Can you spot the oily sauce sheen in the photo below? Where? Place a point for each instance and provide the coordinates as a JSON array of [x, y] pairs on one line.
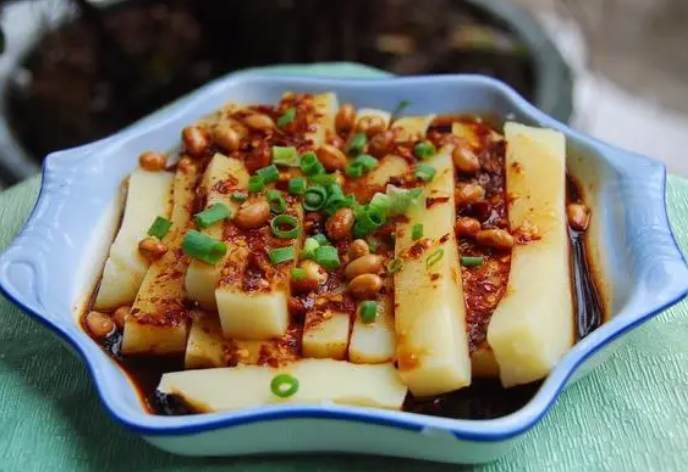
[[483, 285]]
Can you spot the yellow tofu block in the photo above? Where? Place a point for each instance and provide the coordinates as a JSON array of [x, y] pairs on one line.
[[326, 337], [158, 322], [253, 315], [319, 380], [412, 128], [532, 326], [207, 347], [223, 176], [467, 132], [322, 124], [430, 317], [374, 343], [148, 196], [389, 166]]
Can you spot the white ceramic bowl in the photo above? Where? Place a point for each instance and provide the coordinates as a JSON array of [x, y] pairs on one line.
[[50, 268]]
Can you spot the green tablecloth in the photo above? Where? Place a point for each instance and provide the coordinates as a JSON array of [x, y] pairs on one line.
[[631, 414]]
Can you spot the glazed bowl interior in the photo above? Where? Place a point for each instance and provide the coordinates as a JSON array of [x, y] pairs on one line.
[[51, 268]]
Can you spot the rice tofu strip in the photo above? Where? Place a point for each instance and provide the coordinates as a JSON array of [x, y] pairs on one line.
[[374, 343], [532, 326], [322, 125], [148, 196], [411, 128], [430, 317], [158, 321], [223, 177], [253, 291], [207, 347], [319, 380]]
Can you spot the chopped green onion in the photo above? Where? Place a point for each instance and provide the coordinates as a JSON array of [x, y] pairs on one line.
[[368, 220], [298, 273], [269, 174], [368, 162], [424, 149], [309, 247], [328, 257], [283, 254], [373, 244], [284, 385], [256, 184], [291, 222], [401, 106], [297, 186], [417, 231], [382, 203], [203, 247], [160, 227], [394, 266], [434, 257], [277, 202], [212, 214], [321, 239], [239, 197], [356, 145], [354, 170], [335, 202], [286, 118], [285, 156], [425, 173], [402, 199], [368, 311], [314, 198], [472, 261], [322, 179], [310, 165]]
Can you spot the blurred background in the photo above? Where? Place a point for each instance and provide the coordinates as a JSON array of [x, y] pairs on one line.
[[73, 71]]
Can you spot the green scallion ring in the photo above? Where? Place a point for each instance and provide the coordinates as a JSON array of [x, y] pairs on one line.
[[277, 202], [283, 254], [298, 273], [381, 203], [269, 174], [354, 170], [472, 261], [368, 311], [256, 184], [284, 385], [202, 247], [310, 165], [328, 257], [356, 145], [321, 239], [368, 220], [239, 197], [160, 227], [394, 266], [286, 118], [291, 222], [424, 172], [314, 198], [368, 162], [417, 231], [297, 186], [434, 257], [309, 247], [285, 156], [322, 179], [424, 150], [213, 214]]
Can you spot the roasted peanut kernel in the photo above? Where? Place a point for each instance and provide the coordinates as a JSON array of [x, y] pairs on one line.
[[578, 215], [381, 143], [120, 316], [465, 160], [469, 193], [338, 226], [358, 248], [365, 286], [226, 137], [346, 117], [152, 161], [496, 238], [259, 121], [466, 226], [331, 157], [99, 324], [370, 125], [368, 264], [152, 249], [252, 214], [196, 140], [315, 276]]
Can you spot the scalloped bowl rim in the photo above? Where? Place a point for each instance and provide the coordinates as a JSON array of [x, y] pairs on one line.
[[473, 430]]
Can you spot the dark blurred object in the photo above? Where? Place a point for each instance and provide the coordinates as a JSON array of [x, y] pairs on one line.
[[96, 74]]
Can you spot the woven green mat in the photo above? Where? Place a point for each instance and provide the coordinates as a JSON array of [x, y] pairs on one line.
[[631, 414]]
